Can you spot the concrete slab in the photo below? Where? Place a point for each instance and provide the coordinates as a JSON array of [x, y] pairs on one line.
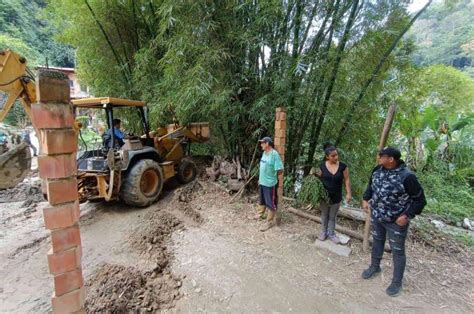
[[334, 248]]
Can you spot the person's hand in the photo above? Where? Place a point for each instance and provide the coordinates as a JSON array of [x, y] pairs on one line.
[[315, 172], [402, 220], [365, 206], [348, 198]]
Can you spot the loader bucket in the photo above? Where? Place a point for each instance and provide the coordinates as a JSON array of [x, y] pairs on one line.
[[15, 164], [200, 132]]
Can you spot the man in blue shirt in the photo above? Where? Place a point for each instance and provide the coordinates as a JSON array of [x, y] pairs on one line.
[[117, 132], [270, 166]]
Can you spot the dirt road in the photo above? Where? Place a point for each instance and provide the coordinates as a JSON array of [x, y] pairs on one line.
[[216, 260]]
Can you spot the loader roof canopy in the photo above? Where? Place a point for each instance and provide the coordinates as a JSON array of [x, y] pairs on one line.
[[99, 102]]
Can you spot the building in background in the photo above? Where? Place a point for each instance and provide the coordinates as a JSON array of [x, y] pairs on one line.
[[77, 90]]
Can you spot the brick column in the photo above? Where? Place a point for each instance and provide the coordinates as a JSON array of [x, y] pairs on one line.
[[280, 142], [53, 117]]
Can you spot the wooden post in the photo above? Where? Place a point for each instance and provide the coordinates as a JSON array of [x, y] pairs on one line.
[[280, 142], [383, 140]]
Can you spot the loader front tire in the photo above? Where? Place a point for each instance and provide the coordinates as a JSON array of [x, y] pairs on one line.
[[186, 171], [142, 184]]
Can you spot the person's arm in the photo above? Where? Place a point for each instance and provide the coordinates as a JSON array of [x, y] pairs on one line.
[[368, 192], [415, 190], [119, 133], [347, 182], [278, 165]]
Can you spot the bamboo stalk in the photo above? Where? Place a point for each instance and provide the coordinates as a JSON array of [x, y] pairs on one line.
[[383, 139]]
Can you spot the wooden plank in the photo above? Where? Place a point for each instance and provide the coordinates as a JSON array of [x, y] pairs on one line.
[[383, 141]]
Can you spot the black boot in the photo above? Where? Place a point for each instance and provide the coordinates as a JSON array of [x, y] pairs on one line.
[[394, 289], [370, 272]]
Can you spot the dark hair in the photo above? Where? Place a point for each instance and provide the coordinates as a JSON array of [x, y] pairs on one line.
[[328, 149], [116, 122]]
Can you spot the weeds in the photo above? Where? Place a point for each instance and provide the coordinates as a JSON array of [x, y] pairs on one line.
[[312, 192], [449, 197]]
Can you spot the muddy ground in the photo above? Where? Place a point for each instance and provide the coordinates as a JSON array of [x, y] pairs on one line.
[[194, 251]]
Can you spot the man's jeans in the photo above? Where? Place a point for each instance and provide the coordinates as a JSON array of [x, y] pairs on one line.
[[396, 237]]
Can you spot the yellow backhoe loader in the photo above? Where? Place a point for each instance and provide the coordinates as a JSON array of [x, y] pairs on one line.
[[133, 170]]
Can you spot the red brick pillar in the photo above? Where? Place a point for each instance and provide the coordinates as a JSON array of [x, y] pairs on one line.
[[280, 142], [53, 117]]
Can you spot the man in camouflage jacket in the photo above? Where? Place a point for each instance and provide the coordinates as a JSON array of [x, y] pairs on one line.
[[395, 196]]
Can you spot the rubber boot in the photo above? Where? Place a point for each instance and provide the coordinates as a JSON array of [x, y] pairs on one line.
[[260, 212], [270, 221]]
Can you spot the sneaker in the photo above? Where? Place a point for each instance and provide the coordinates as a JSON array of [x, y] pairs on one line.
[[370, 272], [394, 289], [322, 236], [334, 238]]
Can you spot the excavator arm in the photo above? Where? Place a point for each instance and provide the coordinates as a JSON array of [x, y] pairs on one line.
[[17, 83]]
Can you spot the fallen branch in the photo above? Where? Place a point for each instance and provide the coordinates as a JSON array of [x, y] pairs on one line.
[[242, 189], [339, 228], [348, 212], [352, 213]]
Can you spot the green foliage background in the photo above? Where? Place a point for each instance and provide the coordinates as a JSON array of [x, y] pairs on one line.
[[233, 62], [335, 65]]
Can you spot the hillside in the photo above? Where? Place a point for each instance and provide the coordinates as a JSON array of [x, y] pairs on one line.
[[444, 34], [24, 28]]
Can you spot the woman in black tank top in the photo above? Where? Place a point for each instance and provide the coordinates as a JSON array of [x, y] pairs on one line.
[[333, 174]]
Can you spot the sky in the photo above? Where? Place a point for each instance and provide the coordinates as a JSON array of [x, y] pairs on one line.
[[417, 5]]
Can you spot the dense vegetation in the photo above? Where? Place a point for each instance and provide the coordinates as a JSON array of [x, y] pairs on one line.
[[335, 65], [23, 28]]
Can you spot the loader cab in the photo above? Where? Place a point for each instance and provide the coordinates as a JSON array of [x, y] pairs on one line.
[[113, 154]]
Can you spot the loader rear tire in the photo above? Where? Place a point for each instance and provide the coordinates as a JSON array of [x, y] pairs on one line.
[[186, 171], [142, 184]]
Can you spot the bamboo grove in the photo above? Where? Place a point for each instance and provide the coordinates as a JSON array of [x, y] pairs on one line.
[[233, 62]]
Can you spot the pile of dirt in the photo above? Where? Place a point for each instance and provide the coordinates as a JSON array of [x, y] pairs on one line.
[[202, 162], [28, 192], [184, 197], [151, 239], [188, 192], [119, 289]]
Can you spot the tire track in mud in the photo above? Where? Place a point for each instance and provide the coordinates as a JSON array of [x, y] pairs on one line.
[[116, 288]]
